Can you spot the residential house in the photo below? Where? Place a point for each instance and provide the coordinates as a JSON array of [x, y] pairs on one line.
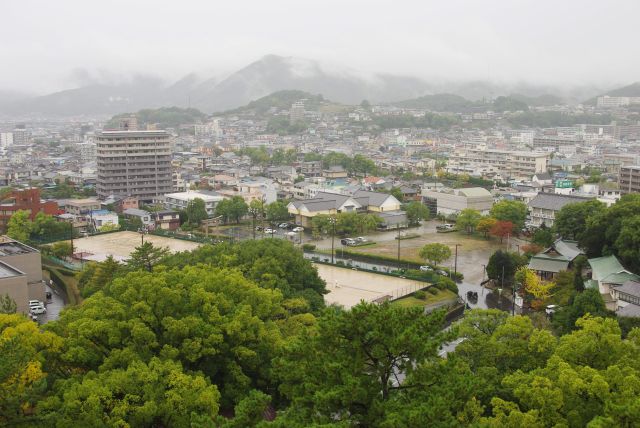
[[142, 215], [167, 219], [335, 171], [558, 257], [607, 273], [627, 297]]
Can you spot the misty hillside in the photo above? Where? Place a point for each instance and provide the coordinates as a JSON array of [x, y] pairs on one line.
[[274, 73], [280, 100], [632, 90]]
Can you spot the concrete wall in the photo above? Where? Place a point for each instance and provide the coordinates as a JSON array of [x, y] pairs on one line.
[[16, 287], [29, 263]]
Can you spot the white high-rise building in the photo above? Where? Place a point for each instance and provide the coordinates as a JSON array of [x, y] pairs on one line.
[[134, 163]]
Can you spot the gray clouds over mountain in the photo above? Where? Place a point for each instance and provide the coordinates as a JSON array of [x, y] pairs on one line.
[[44, 44]]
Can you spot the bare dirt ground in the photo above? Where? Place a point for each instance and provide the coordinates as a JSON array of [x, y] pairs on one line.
[[121, 244], [348, 287]]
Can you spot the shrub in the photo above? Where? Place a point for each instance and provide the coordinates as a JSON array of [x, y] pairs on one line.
[[439, 286], [433, 290], [448, 284], [308, 247], [420, 294]]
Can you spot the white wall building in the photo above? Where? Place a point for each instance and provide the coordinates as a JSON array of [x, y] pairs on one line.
[[180, 200]]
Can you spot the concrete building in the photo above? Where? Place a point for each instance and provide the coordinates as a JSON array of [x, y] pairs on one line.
[[629, 179], [296, 113], [27, 200], [180, 200], [557, 143], [452, 201], [20, 273], [134, 163], [507, 163], [544, 207], [81, 206]]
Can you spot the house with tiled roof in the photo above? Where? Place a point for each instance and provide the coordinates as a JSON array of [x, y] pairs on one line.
[[558, 257], [608, 273], [544, 207]]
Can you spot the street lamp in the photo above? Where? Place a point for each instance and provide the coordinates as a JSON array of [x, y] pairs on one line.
[[332, 220]]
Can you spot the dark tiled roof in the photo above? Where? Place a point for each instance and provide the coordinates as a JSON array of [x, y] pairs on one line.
[[552, 201]]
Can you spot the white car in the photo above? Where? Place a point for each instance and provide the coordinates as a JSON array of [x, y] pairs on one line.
[[35, 303], [268, 230], [426, 268], [298, 229], [37, 310]]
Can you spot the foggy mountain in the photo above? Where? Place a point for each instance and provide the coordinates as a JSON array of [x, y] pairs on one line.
[[265, 76]]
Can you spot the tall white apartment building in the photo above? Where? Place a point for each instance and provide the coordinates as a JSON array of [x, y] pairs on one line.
[[134, 163]]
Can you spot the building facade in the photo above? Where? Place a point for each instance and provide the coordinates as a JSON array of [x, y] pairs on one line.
[[134, 163], [629, 179]]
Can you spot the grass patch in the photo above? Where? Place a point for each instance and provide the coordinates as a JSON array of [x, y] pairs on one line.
[[413, 302]]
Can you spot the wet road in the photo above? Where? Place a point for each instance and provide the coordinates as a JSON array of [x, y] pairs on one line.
[[53, 305], [487, 299]]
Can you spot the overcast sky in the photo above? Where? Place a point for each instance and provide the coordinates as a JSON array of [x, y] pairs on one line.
[[50, 45]]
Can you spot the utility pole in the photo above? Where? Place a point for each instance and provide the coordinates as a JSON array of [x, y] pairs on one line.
[[513, 304], [455, 269], [333, 235], [398, 246]]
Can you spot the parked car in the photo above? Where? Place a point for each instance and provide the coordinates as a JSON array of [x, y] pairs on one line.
[[445, 227], [283, 225], [258, 228], [37, 310], [442, 272], [348, 241], [426, 268], [269, 230], [361, 239], [298, 229], [36, 303]]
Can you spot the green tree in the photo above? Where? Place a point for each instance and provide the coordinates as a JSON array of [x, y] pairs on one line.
[[196, 211], [571, 220], [160, 392], [508, 261], [146, 256], [96, 275], [19, 226], [485, 225], [396, 192], [435, 253], [627, 244], [468, 219], [321, 225], [416, 212], [588, 302], [7, 304], [61, 249], [513, 211], [238, 208], [277, 211], [543, 237], [26, 352], [347, 372], [208, 320]]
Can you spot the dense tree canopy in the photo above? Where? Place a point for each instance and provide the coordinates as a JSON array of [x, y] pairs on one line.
[[513, 211]]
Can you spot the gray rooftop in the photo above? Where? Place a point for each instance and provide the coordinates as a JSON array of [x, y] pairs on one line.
[[7, 271], [554, 202]]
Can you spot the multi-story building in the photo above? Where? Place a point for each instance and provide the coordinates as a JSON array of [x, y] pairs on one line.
[[296, 113], [509, 164], [180, 200], [134, 163], [26, 200], [558, 143], [20, 273], [544, 207], [452, 201], [629, 179]]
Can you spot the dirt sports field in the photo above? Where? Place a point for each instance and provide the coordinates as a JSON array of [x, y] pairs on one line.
[[347, 287], [121, 244]]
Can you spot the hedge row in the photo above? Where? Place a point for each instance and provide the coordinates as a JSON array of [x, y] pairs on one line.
[[365, 257]]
